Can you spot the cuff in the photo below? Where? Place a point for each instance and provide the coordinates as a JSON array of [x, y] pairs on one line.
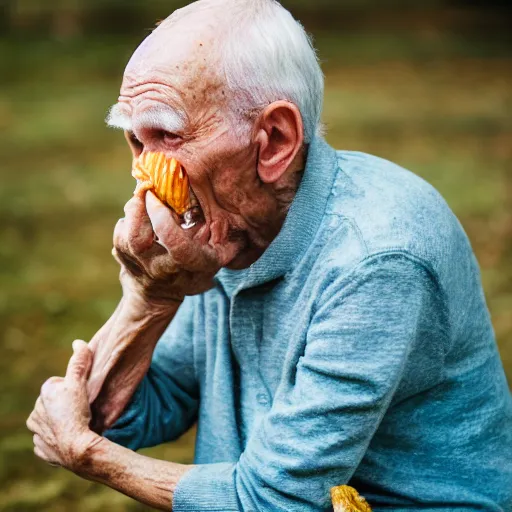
[[209, 487]]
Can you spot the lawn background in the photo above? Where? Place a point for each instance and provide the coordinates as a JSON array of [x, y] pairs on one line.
[[426, 84]]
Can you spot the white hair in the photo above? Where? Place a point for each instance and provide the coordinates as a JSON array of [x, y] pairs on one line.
[[267, 56], [160, 117]]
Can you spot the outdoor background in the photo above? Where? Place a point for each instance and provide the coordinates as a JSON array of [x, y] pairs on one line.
[[426, 84]]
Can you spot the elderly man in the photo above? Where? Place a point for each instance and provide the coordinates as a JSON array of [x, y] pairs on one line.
[[323, 322]]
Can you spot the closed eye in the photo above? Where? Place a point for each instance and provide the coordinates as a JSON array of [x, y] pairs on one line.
[[169, 137]]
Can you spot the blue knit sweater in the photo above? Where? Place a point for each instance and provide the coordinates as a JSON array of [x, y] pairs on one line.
[[358, 349]]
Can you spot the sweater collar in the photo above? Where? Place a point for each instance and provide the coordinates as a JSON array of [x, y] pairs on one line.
[[300, 226]]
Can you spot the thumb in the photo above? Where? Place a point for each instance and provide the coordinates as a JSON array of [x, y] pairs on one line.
[[80, 364]]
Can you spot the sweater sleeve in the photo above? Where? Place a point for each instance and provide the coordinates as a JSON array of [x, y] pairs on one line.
[[324, 416], [165, 404]]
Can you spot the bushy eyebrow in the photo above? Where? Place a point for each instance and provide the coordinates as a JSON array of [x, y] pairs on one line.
[[161, 118], [158, 118], [117, 117]]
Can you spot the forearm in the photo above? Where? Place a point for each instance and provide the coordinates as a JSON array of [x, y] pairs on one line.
[[122, 355], [149, 481]]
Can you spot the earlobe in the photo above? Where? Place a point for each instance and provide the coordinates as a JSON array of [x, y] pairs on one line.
[[280, 135]]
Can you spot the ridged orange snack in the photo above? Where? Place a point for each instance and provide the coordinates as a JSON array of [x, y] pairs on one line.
[[347, 499], [166, 178]]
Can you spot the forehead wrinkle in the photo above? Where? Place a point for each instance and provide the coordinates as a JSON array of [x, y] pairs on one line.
[[117, 117], [160, 118]]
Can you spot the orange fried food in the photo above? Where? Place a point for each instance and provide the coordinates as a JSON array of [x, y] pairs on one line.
[[346, 499], [166, 178]]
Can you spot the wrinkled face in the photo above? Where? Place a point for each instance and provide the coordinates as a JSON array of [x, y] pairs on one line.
[[173, 101]]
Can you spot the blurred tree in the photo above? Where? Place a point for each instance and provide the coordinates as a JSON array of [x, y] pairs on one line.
[[67, 19], [5, 15]]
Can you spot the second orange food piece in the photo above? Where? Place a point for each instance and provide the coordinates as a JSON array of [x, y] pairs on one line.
[[347, 499], [166, 178]]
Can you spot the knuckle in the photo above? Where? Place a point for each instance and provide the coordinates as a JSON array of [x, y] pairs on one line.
[[120, 224], [134, 209], [78, 369], [128, 207], [119, 233], [45, 388], [117, 256], [131, 205], [30, 424], [49, 386]]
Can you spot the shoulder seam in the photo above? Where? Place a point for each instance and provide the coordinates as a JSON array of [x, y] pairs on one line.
[[398, 251]]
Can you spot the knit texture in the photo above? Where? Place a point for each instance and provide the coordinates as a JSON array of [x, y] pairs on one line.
[[357, 350]]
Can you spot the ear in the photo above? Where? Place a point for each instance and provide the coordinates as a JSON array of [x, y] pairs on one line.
[[280, 134]]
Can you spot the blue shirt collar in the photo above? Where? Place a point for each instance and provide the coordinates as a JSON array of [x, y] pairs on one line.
[[300, 227]]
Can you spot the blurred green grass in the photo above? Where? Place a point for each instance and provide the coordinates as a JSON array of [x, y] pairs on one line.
[[438, 105]]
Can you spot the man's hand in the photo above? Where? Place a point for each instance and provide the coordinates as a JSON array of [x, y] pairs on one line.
[[160, 261], [160, 264], [61, 417], [60, 423]]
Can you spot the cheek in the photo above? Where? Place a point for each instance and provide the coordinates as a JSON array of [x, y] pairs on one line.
[[195, 164], [230, 189], [226, 175]]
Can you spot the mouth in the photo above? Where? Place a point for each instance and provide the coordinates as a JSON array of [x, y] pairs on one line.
[[168, 180]]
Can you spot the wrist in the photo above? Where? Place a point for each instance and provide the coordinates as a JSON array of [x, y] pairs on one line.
[[83, 452], [136, 306]]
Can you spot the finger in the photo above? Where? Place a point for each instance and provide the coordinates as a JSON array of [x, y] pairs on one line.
[[133, 241], [31, 423], [140, 236], [42, 444], [39, 453], [184, 245], [80, 364], [39, 443], [48, 387], [48, 458], [37, 424], [121, 236], [163, 222]]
